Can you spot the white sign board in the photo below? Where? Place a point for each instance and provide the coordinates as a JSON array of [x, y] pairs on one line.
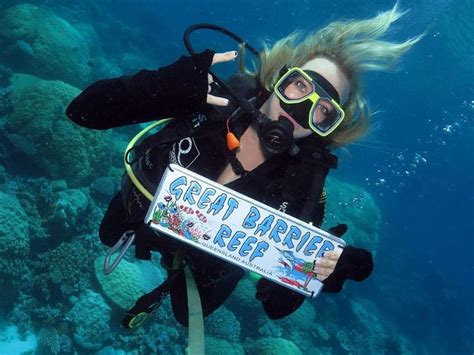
[[240, 230]]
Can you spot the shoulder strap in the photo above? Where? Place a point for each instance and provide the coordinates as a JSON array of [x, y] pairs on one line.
[[323, 162]]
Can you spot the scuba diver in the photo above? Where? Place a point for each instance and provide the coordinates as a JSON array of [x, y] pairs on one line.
[[267, 135]]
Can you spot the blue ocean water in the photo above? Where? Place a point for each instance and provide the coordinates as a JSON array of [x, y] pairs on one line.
[[417, 164]]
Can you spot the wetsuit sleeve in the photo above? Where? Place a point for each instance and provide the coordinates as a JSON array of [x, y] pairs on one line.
[[277, 301], [173, 90], [354, 264]]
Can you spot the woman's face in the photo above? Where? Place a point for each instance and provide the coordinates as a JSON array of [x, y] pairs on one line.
[[324, 67]]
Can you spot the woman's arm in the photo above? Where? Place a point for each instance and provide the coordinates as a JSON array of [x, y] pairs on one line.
[[353, 264], [177, 89], [278, 301]]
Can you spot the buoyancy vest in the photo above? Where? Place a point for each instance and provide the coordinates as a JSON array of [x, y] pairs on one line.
[[292, 184]]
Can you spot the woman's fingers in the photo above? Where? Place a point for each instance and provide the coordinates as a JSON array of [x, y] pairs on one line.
[[215, 100], [218, 58], [331, 255], [326, 265], [224, 57], [322, 273], [210, 80]]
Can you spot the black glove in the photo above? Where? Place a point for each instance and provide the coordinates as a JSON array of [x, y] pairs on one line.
[[183, 83], [338, 230], [354, 264], [177, 89], [279, 301]]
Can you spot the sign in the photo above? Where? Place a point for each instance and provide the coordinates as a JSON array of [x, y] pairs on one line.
[[240, 230]]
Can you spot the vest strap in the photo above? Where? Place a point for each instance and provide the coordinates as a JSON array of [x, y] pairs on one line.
[[195, 316]]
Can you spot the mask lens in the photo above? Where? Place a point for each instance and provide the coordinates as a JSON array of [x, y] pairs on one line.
[[295, 87], [325, 115], [304, 97]]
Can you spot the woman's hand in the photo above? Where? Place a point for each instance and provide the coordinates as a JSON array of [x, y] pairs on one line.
[[326, 264], [353, 264], [219, 58]]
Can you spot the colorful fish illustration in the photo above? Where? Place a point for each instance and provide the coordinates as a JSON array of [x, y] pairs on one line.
[[289, 260]]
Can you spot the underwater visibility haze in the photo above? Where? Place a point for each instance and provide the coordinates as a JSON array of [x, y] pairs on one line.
[[405, 190]]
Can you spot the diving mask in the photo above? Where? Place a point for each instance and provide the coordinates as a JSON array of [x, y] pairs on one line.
[[310, 100]]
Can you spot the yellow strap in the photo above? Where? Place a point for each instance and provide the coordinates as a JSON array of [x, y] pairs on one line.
[[195, 317], [130, 145]]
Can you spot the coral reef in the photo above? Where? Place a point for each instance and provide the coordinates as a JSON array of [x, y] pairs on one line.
[[162, 338], [110, 350], [131, 63], [67, 268], [14, 246], [297, 327], [123, 286], [352, 324], [300, 320], [103, 188], [152, 272], [294, 327], [51, 342], [47, 318], [62, 150], [70, 210], [224, 325], [271, 346], [216, 346], [5, 90], [35, 41], [355, 207], [5, 76], [319, 332], [268, 328], [6, 105], [57, 214], [153, 337], [243, 298], [90, 316]]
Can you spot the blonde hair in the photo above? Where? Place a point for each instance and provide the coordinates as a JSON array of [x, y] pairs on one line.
[[355, 46]]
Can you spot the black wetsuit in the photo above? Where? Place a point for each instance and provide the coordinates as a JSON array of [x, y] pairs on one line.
[[179, 90]]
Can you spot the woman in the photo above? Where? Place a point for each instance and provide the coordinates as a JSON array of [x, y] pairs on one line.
[[310, 88]]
